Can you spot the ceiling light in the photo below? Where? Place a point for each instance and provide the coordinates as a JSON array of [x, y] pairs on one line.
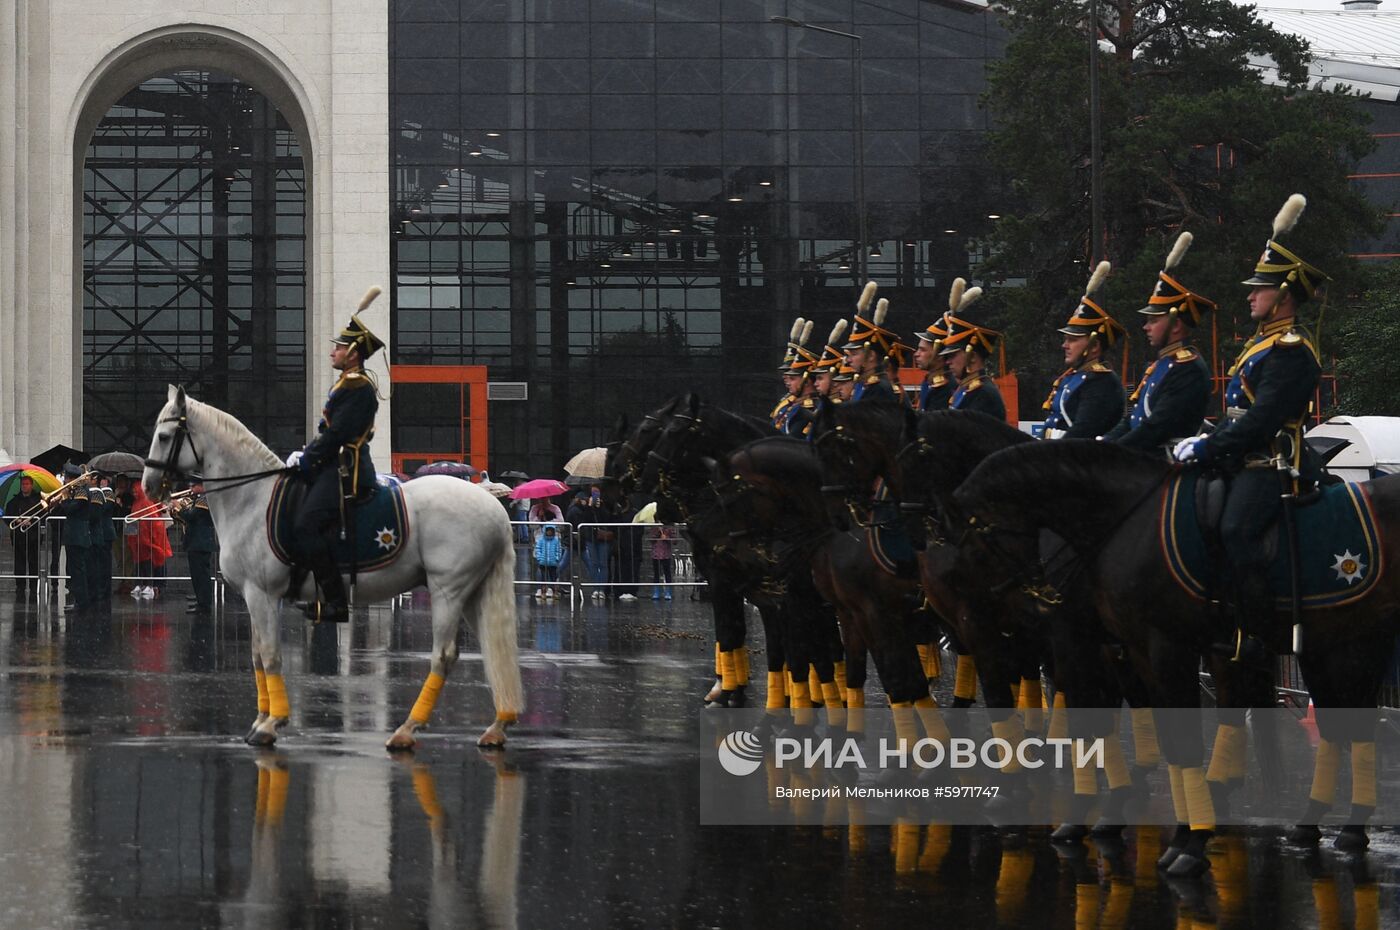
[[875, 251], [673, 230], [736, 199], [765, 183], [950, 231], [474, 152], [844, 266], [493, 135], [704, 216], [993, 216], [604, 265]]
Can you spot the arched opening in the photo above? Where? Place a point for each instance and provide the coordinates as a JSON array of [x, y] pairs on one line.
[[194, 271]]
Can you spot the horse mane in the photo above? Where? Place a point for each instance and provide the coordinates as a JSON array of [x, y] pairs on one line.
[[1072, 486], [963, 439], [881, 417], [227, 427], [782, 457]]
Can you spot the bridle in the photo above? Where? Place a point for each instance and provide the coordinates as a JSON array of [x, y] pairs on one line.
[[170, 470], [843, 444]]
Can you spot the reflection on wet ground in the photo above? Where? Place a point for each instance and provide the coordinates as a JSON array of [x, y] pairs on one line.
[[127, 799]]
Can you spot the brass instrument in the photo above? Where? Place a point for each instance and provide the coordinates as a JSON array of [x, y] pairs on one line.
[[26, 521], [172, 506]]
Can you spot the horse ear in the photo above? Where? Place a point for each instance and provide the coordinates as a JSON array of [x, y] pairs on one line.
[[620, 430], [911, 424], [179, 397]]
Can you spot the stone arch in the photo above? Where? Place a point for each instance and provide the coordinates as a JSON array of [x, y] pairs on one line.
[[170, 48]]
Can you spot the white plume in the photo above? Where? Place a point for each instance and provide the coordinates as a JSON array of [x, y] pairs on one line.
[[1288, 214], [969, 297], [881, 308], [796, 329], [837, 332], [1183, 242], [955, 295], [1097, 277], [806, 332], [867, 294], [374, 291]]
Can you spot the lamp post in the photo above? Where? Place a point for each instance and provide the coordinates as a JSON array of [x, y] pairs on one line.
[[862, 260]]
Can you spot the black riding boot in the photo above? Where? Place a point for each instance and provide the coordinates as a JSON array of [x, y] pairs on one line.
[[332, 606], [1254, 612]]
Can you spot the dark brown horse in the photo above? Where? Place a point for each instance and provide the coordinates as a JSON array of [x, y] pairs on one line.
[[1106, 503]]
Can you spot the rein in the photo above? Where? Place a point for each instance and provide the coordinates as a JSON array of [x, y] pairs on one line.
[[169, 469]]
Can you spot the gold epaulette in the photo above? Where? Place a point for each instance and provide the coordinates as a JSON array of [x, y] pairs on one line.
[[1290, 339], [872, 379], [1185, 354], [782, 405], [352, 379], [808, 403], [1097, 366], [938, 380]]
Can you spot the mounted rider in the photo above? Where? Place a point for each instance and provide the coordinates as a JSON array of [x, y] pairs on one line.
[[831, 362], [1171, 399], [1259, 445], [937, 389], [803, 411], [1086, 401], [792, 382], [968, 349], [871, 348], [818, 372], [336, 463]]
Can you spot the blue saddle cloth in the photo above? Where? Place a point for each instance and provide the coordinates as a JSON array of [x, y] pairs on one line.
[[888, 539], [380, 525], [1339, 551]]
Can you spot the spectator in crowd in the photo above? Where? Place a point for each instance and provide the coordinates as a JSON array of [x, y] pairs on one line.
[[77, 540], [200, 545], [104, 532], [629, 554], [150, 547], [594, 542], [662, 563], [549, 552], [26, 540], [125, 501]]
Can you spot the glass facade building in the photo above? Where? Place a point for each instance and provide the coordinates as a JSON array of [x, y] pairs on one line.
[[615, 200]]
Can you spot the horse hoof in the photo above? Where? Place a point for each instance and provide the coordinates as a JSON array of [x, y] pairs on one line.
[[1352, 839], [1067, 834], [1187, 865], [261, 738], [398, 743], [1305, 834], [492, 741]]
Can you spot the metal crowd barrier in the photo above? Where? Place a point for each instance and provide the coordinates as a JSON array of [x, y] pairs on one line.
[[578, 579]]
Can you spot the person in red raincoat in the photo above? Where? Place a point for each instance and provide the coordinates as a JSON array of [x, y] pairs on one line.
[[149, 546]]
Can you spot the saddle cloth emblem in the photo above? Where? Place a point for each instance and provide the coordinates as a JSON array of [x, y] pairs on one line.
[[380, 526], [1339, 549]]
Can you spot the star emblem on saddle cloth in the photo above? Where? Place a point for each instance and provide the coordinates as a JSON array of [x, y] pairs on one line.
[[386, 538], [1348, 567]]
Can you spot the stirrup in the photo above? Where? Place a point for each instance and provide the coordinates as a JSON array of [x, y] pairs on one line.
[[319, 611]]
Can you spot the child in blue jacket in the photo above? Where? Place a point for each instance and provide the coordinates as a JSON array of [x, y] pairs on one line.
[[549, 552]]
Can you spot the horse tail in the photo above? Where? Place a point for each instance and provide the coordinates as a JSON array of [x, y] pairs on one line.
[[496, 631]]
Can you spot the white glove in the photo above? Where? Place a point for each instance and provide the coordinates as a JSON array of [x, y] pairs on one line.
[[293, 459], [1185, 450]]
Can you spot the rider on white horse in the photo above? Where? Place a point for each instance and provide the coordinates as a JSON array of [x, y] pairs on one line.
[[337, 466]]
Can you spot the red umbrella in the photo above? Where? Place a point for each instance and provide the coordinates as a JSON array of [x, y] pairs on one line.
[[540, 487]]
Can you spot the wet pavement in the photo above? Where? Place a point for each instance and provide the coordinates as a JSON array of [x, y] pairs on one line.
[[127, 798]]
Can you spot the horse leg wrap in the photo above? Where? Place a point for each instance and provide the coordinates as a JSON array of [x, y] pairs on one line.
[[839, 671], [1146, 752], [1225, 756], [938, 839], [277, 697], [261, 678], [1367, 899], [427, 700], [928, 658], [1013, 879], [1059, 718], [934, 725], [1178, 793], [814, 684], [801, 703], [965, 681], [425, 789], [855, 703], [264, 783], [506, 717], [777, 693], [741, 665], [1324, 784], [1114, 765], [905, 731], [719, 668], [1363, 775], [1086, 780], [729, 674], [906, 847], [831, 696], [1010, 731], [277, 782], [1031, 701], [1119, 904], [1086, 906], [1198, 800], [1329, 907]]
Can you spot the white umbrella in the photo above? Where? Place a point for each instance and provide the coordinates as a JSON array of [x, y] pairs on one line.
[[589, 463], [496, 488], [647, 514]]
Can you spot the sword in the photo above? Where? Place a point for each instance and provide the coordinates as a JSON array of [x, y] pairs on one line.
[[1289, 482]]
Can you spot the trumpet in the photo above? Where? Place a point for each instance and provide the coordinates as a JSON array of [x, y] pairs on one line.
[[173, 505], [26, 521]]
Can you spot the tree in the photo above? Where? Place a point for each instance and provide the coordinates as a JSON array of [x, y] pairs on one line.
[[1192, 139], [1368, 333]]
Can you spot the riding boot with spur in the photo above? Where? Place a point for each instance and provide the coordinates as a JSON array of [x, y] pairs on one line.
[[332, 606], [1254, 604]]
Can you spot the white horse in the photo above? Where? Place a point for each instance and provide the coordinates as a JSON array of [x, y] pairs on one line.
[[460, 547]]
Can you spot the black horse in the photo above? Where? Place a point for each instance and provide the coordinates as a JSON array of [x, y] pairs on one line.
[[1107, 504]]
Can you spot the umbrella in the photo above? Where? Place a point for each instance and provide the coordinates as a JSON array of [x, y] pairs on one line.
[[647, 514], [588, 464], [514, 475], [496, 488], [454, 469], [119, 463], [540, 487], [53, 459], [11, 474]]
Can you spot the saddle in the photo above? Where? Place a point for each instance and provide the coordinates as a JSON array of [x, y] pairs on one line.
[[377, 527], [1339, 549]]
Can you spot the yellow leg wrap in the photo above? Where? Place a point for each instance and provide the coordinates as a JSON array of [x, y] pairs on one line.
[[729, 677], [932, 719], [905, 730], [855, 705], [264, 781], [814, 683], [741, 664], [855, 697], [937, 841], [1147, 841], [277, 697], [1324, 784], [855, 833], [1229, 741], [261, 678], [1329, 908], [1031, 701], [1231, 869], [840, 673], [506, 716], [1363, 774], [1013, 879], [1059, 718], [906, 847], [427, 699], [800, 702], [965, 681], [1183, 812], [1120, 904], [1198, 801], [777, 693], [1009, 730], [425, 789], [719, 669], [928, 658], [1114, 765], [1086, 907], [1145, 748], [831, 695], [1368, 906], [277, 782], [1086, 780]]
